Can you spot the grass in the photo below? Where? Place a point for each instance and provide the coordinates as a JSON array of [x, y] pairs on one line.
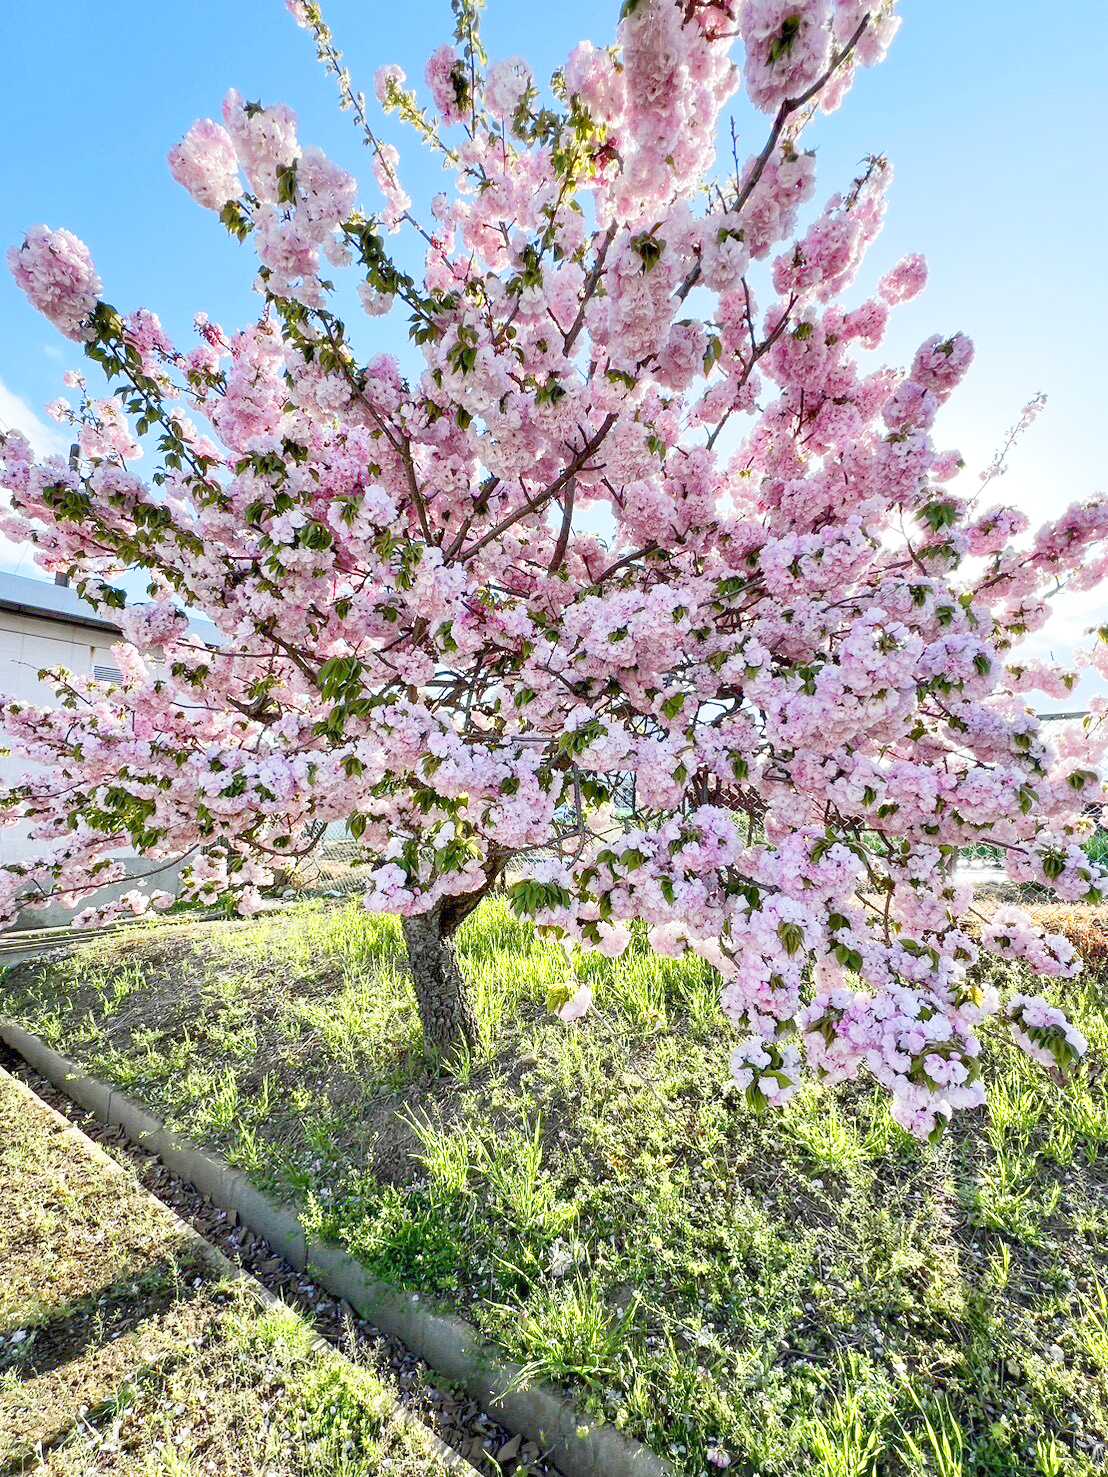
[[810, 1291], [120, 1352]]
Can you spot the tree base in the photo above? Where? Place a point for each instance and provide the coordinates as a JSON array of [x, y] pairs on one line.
[[445, 1009]]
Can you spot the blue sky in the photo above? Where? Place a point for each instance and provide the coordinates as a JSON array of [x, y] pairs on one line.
[[987, 109]]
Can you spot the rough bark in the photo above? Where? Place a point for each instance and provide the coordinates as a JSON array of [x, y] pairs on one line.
[[445, 1009]]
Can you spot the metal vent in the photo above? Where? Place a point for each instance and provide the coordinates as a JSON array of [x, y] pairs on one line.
[[107, 674]]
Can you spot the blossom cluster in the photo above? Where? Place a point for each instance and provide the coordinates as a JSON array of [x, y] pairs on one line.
[[1044, 1033], [524, 616], [295, 200], [55, 270]]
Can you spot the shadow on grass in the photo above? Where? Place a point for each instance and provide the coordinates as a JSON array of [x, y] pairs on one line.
[[109, 1312]]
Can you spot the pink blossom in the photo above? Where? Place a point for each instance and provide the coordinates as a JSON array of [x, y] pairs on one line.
[[593, 79], [325, 194], [576, 1008], [1044, 1034], [905, 281], [205, 164], [264, 141], [788, 47], [397, 201], [506, 83], [449, 83], [386, 80], [106, 433], [56, 272]]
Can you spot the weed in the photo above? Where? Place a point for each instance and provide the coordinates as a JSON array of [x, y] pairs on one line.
[[812, 1291]]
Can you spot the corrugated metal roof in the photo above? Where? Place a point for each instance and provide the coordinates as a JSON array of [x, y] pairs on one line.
[[51, 602]]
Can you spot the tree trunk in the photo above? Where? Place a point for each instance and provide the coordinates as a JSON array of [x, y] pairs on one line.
[[445, 1010]]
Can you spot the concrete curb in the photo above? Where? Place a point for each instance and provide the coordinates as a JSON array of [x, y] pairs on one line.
[[92, 1095], [448, 1344], [206, 1254]]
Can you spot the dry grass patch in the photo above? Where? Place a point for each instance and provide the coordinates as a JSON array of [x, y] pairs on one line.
[[1086, 927]]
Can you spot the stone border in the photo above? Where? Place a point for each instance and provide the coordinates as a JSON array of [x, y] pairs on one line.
[[206, 1254], [448, 1344]]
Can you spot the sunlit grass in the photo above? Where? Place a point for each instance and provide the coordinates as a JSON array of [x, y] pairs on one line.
[[811, 1290]]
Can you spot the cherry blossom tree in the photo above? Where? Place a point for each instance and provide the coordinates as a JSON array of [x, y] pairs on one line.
[[640, 596]]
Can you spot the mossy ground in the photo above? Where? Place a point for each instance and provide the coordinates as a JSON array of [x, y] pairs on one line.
[[810, 1291]]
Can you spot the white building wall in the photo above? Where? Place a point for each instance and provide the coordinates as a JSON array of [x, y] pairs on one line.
[[45, 625], [29, 643]]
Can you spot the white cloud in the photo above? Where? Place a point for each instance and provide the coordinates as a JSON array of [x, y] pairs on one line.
[[46, 439], [17, 415]]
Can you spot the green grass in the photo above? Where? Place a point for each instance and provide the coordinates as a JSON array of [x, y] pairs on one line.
[[227, 1387], [810, 1291], [131, 1354]]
